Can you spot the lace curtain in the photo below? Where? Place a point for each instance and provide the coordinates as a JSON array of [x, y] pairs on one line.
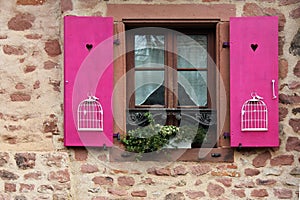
[[191, 54]]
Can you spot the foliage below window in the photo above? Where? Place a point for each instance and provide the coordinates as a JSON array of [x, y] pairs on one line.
[[154, 137]]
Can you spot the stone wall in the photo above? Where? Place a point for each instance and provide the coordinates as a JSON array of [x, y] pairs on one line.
[[34, 164]]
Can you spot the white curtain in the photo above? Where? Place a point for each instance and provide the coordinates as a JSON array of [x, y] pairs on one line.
[[191, 53]]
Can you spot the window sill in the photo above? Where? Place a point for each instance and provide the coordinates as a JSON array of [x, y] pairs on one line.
[[170, 155]]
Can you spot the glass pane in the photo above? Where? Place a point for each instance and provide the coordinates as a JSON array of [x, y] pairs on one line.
[[192, 88], [149, 50], [149, 88], [192, 51]]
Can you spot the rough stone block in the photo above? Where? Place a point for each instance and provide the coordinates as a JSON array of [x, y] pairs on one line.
[[259, 193], [33, 175], [283, 113], [293, 144], [50, 65], [173, 196], [4, 158], [295, 14], [297, 69], [21, 22], [62, 176], [283, 193], [29, 68], [295, 171], [52, 48], [25, 160], [126, 181], [13, 50], [245, 184], [7, 175], [283, 68], [66, 5], [26, 187], [282, 160], [195, 194], [20, 96], [88, 168], [295, 44], [289, 99], [295, 124], [287, 2], [103, 180], [31, 2], [215, 190], [179, 170], [200, 169], [10, 187], [265, 182], [240, 193], [139, 193], [225, 181], [117, 192]]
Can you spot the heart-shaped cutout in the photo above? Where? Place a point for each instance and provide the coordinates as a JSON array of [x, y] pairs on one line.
[[89, 46], [254, 46]]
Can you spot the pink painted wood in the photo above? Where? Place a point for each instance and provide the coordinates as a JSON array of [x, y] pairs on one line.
[[88, 70], [253, 66]]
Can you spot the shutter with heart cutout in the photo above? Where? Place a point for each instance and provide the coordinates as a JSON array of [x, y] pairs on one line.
[[88, 78], [254, 73]]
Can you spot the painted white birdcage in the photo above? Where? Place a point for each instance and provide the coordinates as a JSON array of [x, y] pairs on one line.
[[254, 114], [90, 115]]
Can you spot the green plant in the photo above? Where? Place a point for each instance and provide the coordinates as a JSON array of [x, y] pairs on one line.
[[149, 138], [149, 117], [168, 131], [154, 136]]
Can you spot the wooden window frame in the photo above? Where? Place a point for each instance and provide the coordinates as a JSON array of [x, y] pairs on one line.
[[187, 14], [171, 61]]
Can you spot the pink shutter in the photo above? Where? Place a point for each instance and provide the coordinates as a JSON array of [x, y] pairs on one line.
[[254, 74], [88, 57]]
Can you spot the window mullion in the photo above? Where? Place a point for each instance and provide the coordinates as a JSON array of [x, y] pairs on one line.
[[169, 71], [130, 79], [211, 79], [175, 72]]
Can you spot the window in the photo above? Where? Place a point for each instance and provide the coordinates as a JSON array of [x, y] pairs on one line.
[[171, 75], [175, 103], [171, 68]]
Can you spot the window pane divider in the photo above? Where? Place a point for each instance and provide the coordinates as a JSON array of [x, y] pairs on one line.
[[148, 69], [192, 69]]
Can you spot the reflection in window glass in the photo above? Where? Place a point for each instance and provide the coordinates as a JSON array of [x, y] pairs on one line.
[[149, 88], [192, 51], [192, 88], [149, 49]]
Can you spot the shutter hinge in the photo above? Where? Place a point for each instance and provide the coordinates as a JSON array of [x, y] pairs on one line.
[[226, 135], [116, 42], [215, 155], [117, 135], [225, 45]]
